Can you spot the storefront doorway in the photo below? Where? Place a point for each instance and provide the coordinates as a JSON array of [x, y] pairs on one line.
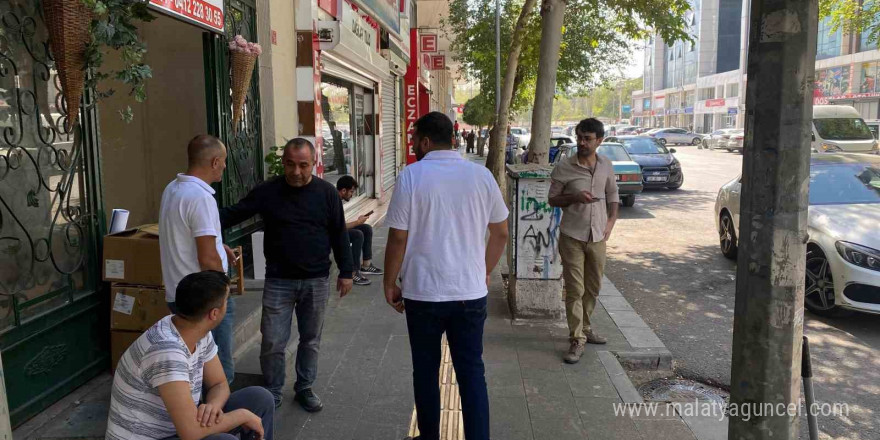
[[348, 139]]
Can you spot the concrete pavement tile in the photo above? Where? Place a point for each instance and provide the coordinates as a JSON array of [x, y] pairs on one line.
[[504, 380], [615, 303], [707, 427], [388, 409], [500, 351], [334, 422], [549, 398], [619, 378], [597, 384], [393, 383], [509, 419], [627, 319], [664, 429], [560, 428], [641, 337], [368, 430], [600, 422]]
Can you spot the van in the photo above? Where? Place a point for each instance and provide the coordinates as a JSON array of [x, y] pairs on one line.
[[874, 126], [841, 128]]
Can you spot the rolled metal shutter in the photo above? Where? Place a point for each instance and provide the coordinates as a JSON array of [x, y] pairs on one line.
[[390, 131]]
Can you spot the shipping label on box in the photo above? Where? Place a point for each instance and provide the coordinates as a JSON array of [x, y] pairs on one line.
[[137, 308], [132, 257]]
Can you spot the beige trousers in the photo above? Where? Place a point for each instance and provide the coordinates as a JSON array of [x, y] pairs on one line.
[[582, 267]]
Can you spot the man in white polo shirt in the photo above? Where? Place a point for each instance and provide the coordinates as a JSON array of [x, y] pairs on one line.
[[439, 215], [190, 234]]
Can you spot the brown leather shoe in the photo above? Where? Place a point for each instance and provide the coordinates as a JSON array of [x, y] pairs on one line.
[[593, 338], [574, 353]]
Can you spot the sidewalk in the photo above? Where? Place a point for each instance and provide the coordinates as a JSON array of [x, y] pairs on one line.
[[365, 376]]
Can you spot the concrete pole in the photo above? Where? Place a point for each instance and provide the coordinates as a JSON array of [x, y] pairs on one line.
[[768, 322]]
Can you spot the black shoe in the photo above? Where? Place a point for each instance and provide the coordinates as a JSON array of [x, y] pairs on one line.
[[360, 280], [372, 270], [278, 403], [308, 400]]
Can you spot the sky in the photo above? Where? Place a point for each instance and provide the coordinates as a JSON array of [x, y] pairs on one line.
[[634, 68]]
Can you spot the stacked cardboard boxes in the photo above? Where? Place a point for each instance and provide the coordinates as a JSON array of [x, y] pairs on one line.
[[137, 294]]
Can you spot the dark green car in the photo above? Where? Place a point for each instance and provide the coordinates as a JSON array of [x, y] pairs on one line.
[[627, 172]]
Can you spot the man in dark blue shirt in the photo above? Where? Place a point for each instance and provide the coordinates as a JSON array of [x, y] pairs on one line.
[[304, 220]]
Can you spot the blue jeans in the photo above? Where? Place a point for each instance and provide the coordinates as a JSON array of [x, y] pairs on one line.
[[281, 298], [223, 335], [254, 399], [463, 323]]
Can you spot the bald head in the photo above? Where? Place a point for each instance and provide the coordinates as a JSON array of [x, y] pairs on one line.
[[203, 149], [298, 144]]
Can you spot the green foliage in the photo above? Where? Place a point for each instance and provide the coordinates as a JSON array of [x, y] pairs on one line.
[[853, 16], [595, 41], [606, 100], [479, 111], [274, 166], [114, 28]]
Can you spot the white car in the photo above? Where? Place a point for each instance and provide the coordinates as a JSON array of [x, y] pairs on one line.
[[843, 252], [717, 139], [522, 135]]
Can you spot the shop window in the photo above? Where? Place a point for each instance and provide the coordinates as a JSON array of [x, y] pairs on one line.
[[833, 81], [336, 129], [868, 78], [829, 42], [732, 90]]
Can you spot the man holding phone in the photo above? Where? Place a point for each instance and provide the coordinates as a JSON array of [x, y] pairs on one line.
[[585, 188], [360, 234]]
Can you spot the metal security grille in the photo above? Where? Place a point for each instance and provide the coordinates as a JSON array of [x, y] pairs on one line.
[[390, 131]]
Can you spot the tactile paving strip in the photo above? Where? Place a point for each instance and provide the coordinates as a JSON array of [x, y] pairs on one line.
[[451, 425]]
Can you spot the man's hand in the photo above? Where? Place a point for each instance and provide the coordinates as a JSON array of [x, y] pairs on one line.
[[255, 425], [488, 279], [230, 255], [343, 286], [584, 197], [362, 219], [608, 229], [394, 297], [209, 414]]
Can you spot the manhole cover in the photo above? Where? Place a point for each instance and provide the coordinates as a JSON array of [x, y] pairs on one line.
[[677, 390]]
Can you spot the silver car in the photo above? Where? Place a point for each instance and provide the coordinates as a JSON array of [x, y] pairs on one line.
[[675, 136], [717, 139]]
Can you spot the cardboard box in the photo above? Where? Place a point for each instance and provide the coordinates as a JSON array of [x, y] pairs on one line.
[[136, 308], [132, 257], [120, 340]]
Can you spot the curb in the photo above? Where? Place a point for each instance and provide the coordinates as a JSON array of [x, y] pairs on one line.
[[650, 353]]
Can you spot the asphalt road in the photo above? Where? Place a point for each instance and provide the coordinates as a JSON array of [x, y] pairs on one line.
[[664, 257]]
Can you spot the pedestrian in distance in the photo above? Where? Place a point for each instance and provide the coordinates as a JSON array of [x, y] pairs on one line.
[[444, 263], [584, 186], [304, 221], [190, 237], [361, 235], [157, 387]]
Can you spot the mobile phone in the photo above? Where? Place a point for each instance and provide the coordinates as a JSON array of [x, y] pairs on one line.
[[369, 213]]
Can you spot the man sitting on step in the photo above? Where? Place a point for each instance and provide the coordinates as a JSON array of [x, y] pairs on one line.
[[157, 388], [360, 234]]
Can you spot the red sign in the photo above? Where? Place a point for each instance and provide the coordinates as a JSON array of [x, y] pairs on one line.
[[438, 62], [331, 6], [205, 13], [428, 43], [411, 96], [715, 102], [274, 38]]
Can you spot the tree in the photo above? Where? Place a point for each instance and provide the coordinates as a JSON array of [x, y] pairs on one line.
[[479, 112], [592, 30], [853, 16]]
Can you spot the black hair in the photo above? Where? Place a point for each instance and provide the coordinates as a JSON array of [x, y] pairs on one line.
[[435, 126], [198, 293], [298, 143], [591, 125], [346, 182]]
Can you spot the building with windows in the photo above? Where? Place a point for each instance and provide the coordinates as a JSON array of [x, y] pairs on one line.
[[846, 72]]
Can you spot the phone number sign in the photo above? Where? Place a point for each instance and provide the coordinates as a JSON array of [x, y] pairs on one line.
[[204, 13]]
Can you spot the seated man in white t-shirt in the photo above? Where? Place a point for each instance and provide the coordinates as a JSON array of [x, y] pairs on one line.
[[157, 388]]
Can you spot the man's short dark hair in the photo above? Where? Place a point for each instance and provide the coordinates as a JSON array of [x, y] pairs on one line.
[[346, 182], [435, 126], [591, 125], [298, 143], [198, 293]]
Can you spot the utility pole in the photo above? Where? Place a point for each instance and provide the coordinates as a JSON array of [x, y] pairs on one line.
[[497, 57], [769, 315]]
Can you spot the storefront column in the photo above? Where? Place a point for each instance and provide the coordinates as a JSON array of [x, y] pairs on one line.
[[308, 81]]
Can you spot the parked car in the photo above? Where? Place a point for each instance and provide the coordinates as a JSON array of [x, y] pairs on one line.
[[840, 128], [557, 129], [559, 142], [522, 135], [675, 136], [627, 130], [643, 130], [660, 169], [843, 252], [734, 141], [717, 138], [627, 172], [874, 126]]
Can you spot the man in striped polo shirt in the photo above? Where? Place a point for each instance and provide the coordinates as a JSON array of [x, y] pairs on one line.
[[157, 388]]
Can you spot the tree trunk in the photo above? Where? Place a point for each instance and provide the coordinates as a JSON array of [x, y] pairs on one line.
[[552, 15], [498, 136]]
